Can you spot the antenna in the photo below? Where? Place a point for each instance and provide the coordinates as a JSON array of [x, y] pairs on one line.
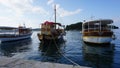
[[24, 25], [55, 14]]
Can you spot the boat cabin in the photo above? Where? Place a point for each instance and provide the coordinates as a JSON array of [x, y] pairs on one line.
[[24, 30], [97, 25], [49, 28]]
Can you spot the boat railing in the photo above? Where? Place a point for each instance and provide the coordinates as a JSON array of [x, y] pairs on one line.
[[97, 29], [8, 32], [14, 32], [24, 31]]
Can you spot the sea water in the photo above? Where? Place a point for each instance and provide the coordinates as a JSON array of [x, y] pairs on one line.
[[96, 56]]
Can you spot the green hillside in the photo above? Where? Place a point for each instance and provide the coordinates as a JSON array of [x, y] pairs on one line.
[[76, 26]]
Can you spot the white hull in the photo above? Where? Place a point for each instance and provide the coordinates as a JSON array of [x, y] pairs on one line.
[[98, 40], [7, 39]]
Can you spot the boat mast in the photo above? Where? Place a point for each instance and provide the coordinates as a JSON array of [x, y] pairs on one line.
[[100, 26], [55, 14]]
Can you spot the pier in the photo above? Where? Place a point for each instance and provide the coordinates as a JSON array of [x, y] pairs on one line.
[[21, 63]]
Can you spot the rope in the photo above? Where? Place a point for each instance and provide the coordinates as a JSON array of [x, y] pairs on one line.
[[45, 53], [63, 54]]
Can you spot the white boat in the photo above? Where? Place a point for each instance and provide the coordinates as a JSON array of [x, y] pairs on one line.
[[11, 34], [97, 31]]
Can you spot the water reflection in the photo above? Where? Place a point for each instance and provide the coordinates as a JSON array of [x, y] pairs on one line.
[[51, 51], [99, 56], [10, 48]]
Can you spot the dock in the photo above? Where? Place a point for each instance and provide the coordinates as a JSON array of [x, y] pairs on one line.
[[6, 62]]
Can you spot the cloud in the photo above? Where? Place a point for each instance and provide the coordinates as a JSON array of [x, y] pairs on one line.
[[117, 19], [8, 21], [14, 12], [15, 22], [19, 7], [50, 2], [63, 12]]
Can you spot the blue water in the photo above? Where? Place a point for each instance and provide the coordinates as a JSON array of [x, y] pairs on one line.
[[96, 56]]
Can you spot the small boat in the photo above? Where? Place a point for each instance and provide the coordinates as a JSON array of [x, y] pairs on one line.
[[98, 31], [11, 34], [51, 31]]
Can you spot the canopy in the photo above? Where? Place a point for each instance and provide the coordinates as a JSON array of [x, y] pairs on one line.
[[7, 28], [51, 23], [102, 21]]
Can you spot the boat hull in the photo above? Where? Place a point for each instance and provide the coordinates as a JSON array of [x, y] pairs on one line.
[[97, 40], [15, 37], [42, 37]]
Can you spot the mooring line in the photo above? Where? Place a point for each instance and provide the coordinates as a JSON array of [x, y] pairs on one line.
[[45, 53], [63, 54]]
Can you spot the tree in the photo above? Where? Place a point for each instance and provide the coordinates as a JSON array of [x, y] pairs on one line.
[[76, 26]]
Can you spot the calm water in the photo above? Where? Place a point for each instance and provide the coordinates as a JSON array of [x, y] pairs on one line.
[[104, 56]]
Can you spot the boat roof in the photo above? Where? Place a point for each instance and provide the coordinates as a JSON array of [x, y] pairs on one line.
[[51, 23], [5, 27], [102, 21]]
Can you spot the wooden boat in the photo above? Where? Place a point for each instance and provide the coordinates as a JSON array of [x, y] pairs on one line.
[[51, 30], [97, 31], [11, 34]]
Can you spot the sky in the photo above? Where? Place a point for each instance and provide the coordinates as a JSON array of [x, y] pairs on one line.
[[34, 12]]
